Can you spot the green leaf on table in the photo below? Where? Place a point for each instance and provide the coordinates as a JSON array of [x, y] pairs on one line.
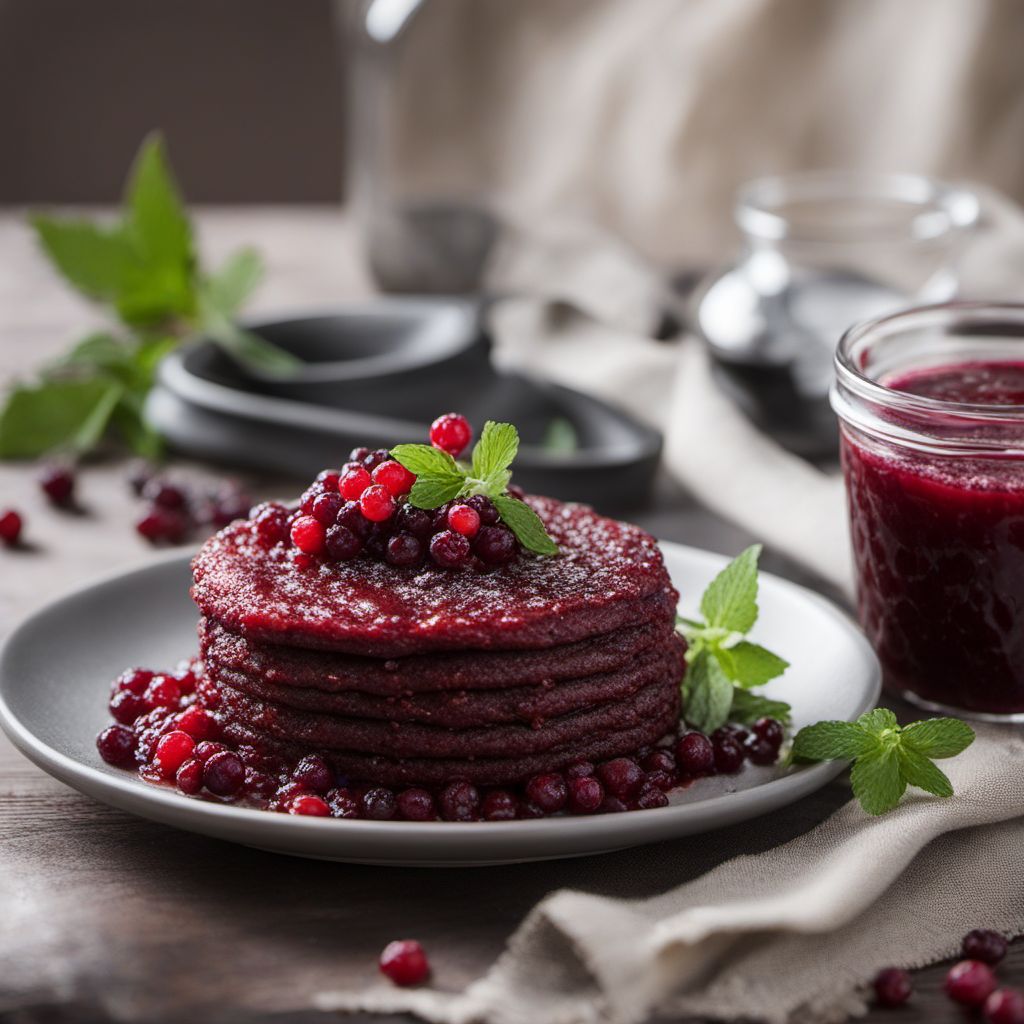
[[730, 601], [877, 781], [707, 694], [748, 707], [920, 771], [228, 288], [525, 524], [67, 415], [748, 664], [939, 737]]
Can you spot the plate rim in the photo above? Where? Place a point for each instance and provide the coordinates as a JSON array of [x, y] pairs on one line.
[[127, 791]]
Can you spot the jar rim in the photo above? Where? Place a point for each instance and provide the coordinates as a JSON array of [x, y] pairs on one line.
[[943, 208]]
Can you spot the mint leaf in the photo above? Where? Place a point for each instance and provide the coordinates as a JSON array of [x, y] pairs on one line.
[[707, 694], [877, 780], [228, 289], [99, 262], [748, 707], [919, 771], [426, 460], [748, 664], [433, 491], [879, 720], [492, 456], [730, 601], [939, 737], [830, 741], [58, 414], [525, 524]]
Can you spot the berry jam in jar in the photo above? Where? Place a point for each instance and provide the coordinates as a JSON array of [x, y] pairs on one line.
[[931, 409]]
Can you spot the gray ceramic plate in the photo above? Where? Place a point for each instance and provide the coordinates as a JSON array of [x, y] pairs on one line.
[[55, 670]]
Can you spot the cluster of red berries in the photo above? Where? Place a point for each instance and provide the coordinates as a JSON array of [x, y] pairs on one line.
[[971, 982], [167, 728], [362, 509], [175, 511]]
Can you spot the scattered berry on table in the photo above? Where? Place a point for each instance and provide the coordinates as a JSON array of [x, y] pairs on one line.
[[970, 982], [404, 962], [58, 483], [1004, 1006], [985, 945], [451, 433], [892, 987]]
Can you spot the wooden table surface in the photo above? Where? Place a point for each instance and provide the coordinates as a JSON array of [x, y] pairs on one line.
[[107, 917]]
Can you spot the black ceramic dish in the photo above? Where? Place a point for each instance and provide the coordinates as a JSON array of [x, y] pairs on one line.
[[377, 374]]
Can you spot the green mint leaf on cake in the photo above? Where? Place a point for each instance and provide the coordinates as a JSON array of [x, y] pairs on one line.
[[721, 661], [440, 478], [886, 756]]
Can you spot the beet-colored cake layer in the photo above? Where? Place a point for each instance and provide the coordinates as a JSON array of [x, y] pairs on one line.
[[608, 575], [421, 676]]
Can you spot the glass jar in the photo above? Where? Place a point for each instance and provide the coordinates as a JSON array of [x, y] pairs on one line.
[[931, 409]]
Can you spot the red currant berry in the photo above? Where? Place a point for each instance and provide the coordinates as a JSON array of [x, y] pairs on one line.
[[650, 796], [892, 987], [985, 945], [353, 483], [126, 707], [416, 805], [314, 773], [728, 755], [375, 458], [449, 549], [769, 730], [116, 745], [970, 982], [343, 803], [451, 433], [760, 751], [695, 754], [404, 962], [377, 504], [416, 521], [495, 545], [484, 508], [499, 805], [465, 520], [586, 794], [224, 773], [189, 776], [198, 723], [342, 544], [164, 494], [404, 549], [579, 770], [622, 777], [358, 454], [271, 523], [394, 477], [161, 525], [135, 680], [308, 535], [163, 692], [58, 484], [307, 804], [206, 750], [172, 751], [326, 508], [549, 792], [352, 518], [379, 804], [460, 801], [10, 527], [1005, 1006]]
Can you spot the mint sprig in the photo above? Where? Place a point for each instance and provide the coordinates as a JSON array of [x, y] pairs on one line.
[[723, 666], [440, 478], [144, 268], [886, 756]]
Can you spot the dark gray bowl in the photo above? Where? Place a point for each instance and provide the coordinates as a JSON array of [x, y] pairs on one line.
[[421, 359]]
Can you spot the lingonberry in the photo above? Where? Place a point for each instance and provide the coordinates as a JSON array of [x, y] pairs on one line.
[[451, 433], [314, 773], [579, 770], [163, 692], [206, 750], [484, 508], [500, 805], [258, 786], [760, 751], [379, 804], [125, 707], [198, 723], [224, 773], [586, 794], [460, 801], [1005, 1006], [172, 751], [116, 745], [404, 962], [439, 517], [892, 987], [985, 945], [416, 805], [228, 504], [377, 541], [613, 805], [189, 776], [416, 521], [375, 458], [271, 522], [139, 474], [10, 527], [970, 982], [353, 483], [661, 779], [308, 805], [342, 544], [449, 549], [548, 791], [621, 777], [352, 518], [659, 760], [404, 549], [728, 755], [309, 535], [343, 803], [377, 503], [164, 493], [162, 525], [394, 477], [58, 484], [650, 796], [465, 520], [495, 545], [135, 680], [326, 508], [770, 730], [358, 454]]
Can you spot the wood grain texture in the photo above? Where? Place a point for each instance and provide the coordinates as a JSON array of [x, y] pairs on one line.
[[105, 917]]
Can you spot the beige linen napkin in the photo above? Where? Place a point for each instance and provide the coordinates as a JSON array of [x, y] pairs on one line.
[[790, 934]]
